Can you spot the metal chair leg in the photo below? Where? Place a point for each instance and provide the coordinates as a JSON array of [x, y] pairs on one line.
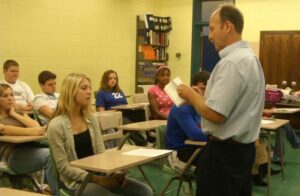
[[144, 175], [191, 188], [168, 184], [179, 187]]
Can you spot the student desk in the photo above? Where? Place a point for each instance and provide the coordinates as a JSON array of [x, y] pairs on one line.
[[21, 139], [271, 125], [14, 192], [113, 160], [134, 106], [142, 126], [282, 110], [293, 117]]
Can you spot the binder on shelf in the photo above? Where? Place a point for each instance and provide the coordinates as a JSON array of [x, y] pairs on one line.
[[157, 23], [149, 21]]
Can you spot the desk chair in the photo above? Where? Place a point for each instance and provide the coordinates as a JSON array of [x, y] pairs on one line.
[[37, 118], [109, 123], [61, 189], [184, 175], [140, 98], [16, 178], [143, 98], [113, 120]]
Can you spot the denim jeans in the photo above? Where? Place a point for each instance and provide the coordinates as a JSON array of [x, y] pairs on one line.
[[132, 188], [290, 135], [28, 158]]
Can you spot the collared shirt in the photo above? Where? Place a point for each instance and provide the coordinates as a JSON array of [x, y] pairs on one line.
[[22, 92], [43, 99], [236, 90]]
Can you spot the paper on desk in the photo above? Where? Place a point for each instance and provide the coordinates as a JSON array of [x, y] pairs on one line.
[[171, 90], [147, 152], [265, 122], [286, 109]]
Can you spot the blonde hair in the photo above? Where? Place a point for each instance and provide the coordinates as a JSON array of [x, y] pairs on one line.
[[66, 99]]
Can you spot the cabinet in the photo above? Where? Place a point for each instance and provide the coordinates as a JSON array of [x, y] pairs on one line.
[[279, 56], [151, 47]]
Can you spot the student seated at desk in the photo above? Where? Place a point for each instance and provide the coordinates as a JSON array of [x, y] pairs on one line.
[[22, 92], [290, 134], [160, 102], [109, 95], [45, 102], [74, 133], [26, 157], [260, 165], [184, 123]]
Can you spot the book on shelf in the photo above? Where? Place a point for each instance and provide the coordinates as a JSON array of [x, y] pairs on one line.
[[148, 52], [171, 90]]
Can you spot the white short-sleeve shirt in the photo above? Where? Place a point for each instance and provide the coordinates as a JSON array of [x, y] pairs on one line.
[[22, 92], [43, 99]]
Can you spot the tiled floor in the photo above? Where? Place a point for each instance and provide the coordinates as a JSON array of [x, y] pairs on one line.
[[291, 187]]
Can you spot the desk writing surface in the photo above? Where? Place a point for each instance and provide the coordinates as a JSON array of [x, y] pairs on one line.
[[113, 160], [196, 143], [144, 125], [282, 110], [273, 124], [130, 106], [14, 192], [21, 139]]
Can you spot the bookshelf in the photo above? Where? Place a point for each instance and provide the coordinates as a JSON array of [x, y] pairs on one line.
[[151, 47]]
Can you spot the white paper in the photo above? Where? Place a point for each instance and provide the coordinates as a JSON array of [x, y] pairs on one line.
[[286, 109], [265, 122], [171, 90], [147, 152]]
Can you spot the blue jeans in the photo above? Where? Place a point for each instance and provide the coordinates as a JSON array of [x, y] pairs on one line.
[[28, 158], [290, 135], [132, 188]]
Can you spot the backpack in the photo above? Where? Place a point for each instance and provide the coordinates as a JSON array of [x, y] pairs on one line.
[[273, 96]]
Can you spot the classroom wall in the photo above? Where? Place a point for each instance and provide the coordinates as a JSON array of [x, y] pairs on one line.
[[71, 36], [95, 35], [268, 15], [180, 36]]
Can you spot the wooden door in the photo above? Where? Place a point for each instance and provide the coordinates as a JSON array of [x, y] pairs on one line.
[[275, 56], [295, 60], [280, 57]]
